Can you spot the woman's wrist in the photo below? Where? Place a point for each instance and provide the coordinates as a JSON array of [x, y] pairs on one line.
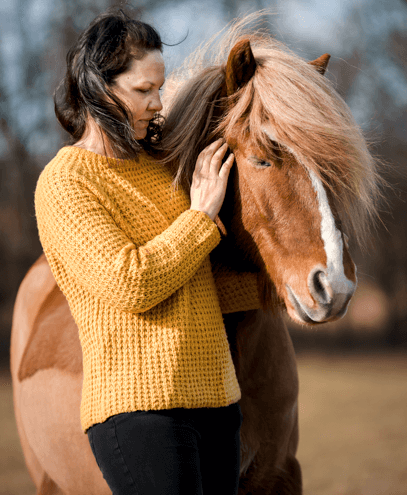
[[209, 214]]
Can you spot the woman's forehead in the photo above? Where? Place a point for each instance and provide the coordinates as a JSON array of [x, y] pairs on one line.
[[150, 68]]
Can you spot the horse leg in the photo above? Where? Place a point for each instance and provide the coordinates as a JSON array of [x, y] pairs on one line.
[[287, 483], [290, 480], [274, 469], [270, 472], [267, 372]]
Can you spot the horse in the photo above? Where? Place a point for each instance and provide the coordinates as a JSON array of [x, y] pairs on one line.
[[303, 175]]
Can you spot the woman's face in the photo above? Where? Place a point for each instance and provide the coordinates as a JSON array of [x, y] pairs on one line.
[[139, 87]]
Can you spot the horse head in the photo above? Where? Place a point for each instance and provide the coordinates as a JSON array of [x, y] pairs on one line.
[[283, 213], [303, 173]]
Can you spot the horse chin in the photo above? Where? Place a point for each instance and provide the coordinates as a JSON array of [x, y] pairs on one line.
[[306, 316], [301, 318]]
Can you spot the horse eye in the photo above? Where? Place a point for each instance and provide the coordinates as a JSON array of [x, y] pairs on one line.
[[258, 162]]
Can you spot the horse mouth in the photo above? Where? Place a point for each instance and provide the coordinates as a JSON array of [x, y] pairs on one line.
[[323, 314], [307, 315]]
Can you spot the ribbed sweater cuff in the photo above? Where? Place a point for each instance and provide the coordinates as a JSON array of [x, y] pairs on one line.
[[200, 227]]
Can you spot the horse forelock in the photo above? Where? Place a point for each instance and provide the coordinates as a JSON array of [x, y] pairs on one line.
[[287, 101]]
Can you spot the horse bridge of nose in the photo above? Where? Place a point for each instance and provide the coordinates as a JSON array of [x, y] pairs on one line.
[[328, 284]]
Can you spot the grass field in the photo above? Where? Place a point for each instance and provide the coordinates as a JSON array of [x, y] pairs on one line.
[[353, 434]]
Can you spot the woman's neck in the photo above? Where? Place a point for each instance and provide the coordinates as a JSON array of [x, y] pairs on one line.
[[94, 140]]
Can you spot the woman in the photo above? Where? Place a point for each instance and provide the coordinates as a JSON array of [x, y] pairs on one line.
[[131, 254]]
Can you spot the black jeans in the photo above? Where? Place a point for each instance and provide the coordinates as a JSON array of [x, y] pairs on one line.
[[170, 452]]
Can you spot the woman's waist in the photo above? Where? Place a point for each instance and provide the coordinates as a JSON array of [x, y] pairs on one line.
[[186, 312]]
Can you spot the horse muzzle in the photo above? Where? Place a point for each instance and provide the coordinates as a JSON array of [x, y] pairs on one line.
[[330, 298]]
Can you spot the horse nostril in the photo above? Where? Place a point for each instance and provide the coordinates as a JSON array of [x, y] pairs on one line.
[[319, 287]]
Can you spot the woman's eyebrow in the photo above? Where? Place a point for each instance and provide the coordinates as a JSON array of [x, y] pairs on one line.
[[150, 83]]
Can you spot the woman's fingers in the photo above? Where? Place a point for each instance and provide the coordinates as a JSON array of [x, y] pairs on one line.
[[224, 171], [209, 180], [217, 158], [214, 150], [210, 160], [210, 150]]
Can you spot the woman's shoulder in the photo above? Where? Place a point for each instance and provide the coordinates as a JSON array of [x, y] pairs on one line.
[[76, 158], [74, 166], [65, 171]]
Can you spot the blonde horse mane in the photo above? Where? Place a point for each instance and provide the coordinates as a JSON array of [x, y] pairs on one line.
[[286, 95]]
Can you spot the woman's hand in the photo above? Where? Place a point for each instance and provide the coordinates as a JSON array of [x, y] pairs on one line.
[[210, 179]]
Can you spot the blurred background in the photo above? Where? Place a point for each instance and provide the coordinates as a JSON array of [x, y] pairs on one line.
[[353, 396]]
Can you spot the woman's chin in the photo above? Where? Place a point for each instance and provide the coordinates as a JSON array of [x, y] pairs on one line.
[[140, 134]]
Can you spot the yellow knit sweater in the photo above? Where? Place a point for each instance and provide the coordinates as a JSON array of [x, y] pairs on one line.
[[132, 260]]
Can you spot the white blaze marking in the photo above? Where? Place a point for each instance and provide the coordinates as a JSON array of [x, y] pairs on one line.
[[332, 240], [331, 236], [337, 285]]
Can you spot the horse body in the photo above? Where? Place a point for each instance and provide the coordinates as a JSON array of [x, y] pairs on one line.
[[286, 199]]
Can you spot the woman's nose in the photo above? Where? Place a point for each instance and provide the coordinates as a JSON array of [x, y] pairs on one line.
[[155, 104]]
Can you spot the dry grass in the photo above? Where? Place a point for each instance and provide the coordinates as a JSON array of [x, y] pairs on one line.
[[353, 436], [353, 414]]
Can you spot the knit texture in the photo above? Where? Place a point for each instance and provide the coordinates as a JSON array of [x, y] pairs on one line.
[[133, 262]]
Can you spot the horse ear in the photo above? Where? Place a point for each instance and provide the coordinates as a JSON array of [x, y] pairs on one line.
[[321, 63], [240, 66]]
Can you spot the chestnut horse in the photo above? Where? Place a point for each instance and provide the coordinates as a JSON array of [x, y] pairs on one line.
[[302, 172]]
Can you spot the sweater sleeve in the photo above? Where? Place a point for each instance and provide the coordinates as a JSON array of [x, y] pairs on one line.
[[236, 291], [77, 230]]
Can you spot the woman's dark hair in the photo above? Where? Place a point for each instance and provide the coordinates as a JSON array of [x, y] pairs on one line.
[[103, 51]]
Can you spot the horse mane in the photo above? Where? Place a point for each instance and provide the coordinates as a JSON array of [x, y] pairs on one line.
[[299, 107]]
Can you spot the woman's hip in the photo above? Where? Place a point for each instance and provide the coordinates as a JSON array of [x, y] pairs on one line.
[[167, 451]]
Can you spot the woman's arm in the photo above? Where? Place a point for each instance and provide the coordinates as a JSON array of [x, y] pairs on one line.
[[78, 231]]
